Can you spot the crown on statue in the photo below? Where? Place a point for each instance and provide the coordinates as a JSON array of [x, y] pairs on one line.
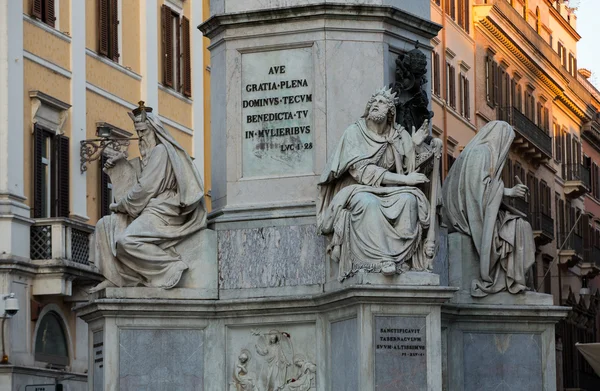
[[141, 111], [386, 93]]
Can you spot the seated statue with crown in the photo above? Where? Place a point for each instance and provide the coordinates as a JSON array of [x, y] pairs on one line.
[[158, 203], [379, 193]]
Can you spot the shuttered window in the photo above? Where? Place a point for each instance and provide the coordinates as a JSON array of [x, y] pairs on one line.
[[558, 143], [436, 74], [464, 96], [108, 29], [176, 51], [50, 174], [44, 10], [451, 85]]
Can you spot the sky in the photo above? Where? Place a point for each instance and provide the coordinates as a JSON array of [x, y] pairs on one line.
[[588, 26]]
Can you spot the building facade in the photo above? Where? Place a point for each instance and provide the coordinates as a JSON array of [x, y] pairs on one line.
[[516, 60], [69, 68]]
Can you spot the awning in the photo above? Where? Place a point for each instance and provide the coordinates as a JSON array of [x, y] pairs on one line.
[[591, 352]]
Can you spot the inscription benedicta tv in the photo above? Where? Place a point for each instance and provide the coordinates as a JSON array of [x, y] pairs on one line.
[[277, 113]]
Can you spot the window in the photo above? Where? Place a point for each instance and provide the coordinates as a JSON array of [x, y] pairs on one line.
[[176, 52], [465, 103], [562, 52], [50, 341], [595, 177], [450, 8], [463, 14], [546, 262], [108, 29], [492, 79], [538, 20], [503, 90], [529, 105], [558, 143], [106, 195], [44, 10], [436, 74], [438, 2], [451, 85], [572, 66], [50, 174]]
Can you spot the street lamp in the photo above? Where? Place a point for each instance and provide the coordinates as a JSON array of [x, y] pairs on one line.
[[9, 306], [92, 149]]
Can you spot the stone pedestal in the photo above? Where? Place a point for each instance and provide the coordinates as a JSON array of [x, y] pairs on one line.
[[279, 105], [501, 341], [361, 338], [287, 78]]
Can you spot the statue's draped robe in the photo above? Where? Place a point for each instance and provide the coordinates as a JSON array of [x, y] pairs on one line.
[[369, 221], [472, 196], [136, 246]]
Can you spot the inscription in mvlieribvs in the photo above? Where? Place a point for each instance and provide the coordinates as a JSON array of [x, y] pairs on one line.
[[277, 113]]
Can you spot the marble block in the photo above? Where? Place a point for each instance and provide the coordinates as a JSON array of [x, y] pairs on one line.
[[271, 257], [440, 262], [161, 360], [199, 252], [400, 353], [344, 355], [464, 268], [402, 279], [502, 362]]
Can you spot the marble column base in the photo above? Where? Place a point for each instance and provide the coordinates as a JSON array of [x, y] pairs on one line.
[[499, 347], [361, 338]]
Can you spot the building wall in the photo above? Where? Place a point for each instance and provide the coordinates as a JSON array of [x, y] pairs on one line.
[[64, 64]]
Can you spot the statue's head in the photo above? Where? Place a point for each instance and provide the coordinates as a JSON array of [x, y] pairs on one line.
[[244, 356], [416, 61], [299, 360], [381, 106], [273, 337], [147, 136]]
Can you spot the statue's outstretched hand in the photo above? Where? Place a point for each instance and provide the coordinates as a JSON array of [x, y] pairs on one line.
[[518, 191], [420, 135]]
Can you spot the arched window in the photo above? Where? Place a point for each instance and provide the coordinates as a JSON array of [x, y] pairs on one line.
[[51, 342]]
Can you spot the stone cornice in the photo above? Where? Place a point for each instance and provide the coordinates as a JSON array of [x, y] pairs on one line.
[[388, 14], [499, 34], [559, 18], [354, 294]]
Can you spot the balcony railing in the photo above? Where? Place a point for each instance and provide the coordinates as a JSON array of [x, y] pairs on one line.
[[577, 172], [60, 238], [573, 243], [527, 128], [592, 255], [543, 223]]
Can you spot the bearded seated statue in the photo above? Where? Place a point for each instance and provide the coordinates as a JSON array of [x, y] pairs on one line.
[[160, 206], [372, 202]]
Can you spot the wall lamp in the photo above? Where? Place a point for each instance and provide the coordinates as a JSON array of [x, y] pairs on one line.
[[108, 136]]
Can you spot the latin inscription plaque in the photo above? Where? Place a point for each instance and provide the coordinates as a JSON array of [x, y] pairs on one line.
[[400, 353], [277, 113]]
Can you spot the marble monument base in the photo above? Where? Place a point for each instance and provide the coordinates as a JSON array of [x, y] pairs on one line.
[[502, 341], [499, 347], [360, 338]]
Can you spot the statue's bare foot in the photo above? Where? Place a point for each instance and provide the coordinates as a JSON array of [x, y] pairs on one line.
[[103, 285]]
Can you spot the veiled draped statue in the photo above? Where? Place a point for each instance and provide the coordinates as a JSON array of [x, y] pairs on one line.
[[161, 205], [371, 201], [472, 198]]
